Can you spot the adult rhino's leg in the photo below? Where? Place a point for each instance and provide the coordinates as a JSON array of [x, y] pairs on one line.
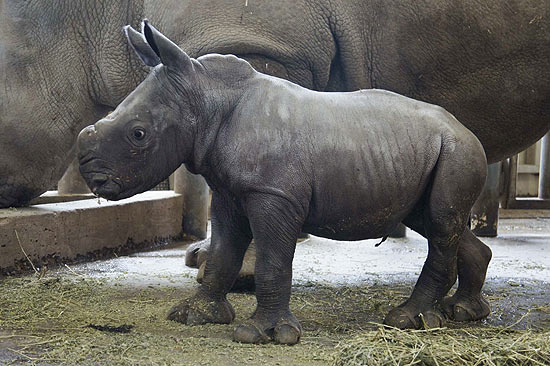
[[400, 231], [468, 304], [484, 215], [196, 253], [195, 197], [72, 181], [456, 184], [275, 224], [231, 236]]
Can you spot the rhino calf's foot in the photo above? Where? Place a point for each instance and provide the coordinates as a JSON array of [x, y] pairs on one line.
[[462, 308], [467, 304], [261, 329], [407, 317], [202, 310]]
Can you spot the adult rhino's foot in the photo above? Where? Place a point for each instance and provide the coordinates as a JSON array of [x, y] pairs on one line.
[[462, 308], [195, 257], [283, 329], [6, 202], [408, 317], [202, 310]]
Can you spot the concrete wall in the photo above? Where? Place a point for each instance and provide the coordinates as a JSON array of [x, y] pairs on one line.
[[67, 231]]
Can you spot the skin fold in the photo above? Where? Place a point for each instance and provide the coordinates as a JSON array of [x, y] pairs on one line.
[[282, 159]]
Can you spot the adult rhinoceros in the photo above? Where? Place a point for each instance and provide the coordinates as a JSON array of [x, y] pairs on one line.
[[64, 64]]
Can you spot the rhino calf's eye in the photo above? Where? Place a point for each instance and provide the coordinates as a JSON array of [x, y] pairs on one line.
[[139, 134]]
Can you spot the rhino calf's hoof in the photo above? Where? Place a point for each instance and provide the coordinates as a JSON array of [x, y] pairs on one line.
[[196, 311], [286, 333], [402, 318], [286, 330], [250, 333], [463, 309]]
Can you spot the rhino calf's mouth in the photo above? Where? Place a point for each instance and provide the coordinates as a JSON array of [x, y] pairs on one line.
[[104, 186], [99, 180]]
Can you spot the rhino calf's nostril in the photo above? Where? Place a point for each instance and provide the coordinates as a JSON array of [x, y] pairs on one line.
[[99, 179]]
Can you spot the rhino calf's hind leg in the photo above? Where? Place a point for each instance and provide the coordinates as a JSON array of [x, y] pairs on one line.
[[468, 304], [275, 224], [458, 179], [231, 236]]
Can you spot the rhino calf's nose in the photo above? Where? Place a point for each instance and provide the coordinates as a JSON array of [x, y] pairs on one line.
[[98, 180], [87, 138]]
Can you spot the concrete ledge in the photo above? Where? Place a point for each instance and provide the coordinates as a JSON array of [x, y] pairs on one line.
[[68, 231], [55, 197]]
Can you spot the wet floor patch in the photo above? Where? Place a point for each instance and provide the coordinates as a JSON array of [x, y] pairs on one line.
[[46, 322]]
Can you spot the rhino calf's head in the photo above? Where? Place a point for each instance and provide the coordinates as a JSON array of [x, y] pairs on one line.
[[152, 131]]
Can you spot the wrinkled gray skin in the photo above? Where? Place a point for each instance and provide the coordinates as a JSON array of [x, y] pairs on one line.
[[282, 159], [485, 62], [64, 63]]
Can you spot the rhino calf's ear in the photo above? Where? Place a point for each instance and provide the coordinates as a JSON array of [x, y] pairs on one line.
[[142, 48], [169, 53]]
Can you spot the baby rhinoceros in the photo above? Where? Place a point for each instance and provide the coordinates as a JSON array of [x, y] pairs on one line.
[[281, 159]]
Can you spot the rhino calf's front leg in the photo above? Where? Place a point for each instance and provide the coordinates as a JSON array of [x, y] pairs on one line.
[[231, 236], [275, 224]]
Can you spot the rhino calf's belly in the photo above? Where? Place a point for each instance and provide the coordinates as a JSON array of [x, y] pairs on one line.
[[366, 225], [360, 231]]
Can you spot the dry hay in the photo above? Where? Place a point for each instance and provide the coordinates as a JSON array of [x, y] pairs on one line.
[[46, 321], [445, 347]]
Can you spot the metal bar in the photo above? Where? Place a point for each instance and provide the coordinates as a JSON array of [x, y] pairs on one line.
[[513, 181]]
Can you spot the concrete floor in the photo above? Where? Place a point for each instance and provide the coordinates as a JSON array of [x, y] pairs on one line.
[[521, 253]]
